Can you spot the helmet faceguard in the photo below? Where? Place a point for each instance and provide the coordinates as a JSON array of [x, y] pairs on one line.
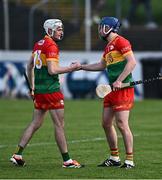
[[51, 25], [108, 25]]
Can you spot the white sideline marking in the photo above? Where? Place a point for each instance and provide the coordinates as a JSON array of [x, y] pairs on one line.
[[50, 143], [69, 142], [77, 141]]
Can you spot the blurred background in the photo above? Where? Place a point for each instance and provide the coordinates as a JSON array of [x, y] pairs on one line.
[[21, 25]]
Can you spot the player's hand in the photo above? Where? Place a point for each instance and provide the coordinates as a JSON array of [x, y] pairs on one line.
[[31, 94], [117, 85], [75, 66]]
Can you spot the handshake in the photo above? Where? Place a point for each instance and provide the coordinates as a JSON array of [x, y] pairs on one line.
[[75, 66]]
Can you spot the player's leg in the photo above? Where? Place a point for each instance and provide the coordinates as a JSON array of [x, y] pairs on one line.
[[38, 117], [122, 118], [107, 124], [58, 121], [111, 136]]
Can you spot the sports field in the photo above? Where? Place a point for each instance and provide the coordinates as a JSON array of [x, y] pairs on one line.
[[86, 141]]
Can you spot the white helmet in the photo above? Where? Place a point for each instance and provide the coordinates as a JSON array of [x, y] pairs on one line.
[[52, 24]]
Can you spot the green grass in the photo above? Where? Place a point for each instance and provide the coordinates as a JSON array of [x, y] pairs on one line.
[[86, 141]]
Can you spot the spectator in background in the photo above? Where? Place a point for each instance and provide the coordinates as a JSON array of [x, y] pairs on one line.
[[132, 12]]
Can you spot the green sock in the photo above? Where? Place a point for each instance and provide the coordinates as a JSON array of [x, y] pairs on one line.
[[65, 156], [19, 150]]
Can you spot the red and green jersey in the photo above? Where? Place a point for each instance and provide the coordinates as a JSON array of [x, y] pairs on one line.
[[45, 50], [114, 56]]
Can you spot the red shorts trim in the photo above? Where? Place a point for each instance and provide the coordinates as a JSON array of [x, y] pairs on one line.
[[120, 100], [48, 101]]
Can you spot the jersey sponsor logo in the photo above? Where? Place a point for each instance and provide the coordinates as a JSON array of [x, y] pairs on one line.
[[125, 49], [52, 54], [110, 58]]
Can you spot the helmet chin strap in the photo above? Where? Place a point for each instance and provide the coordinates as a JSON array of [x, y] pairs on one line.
[[107, 34]]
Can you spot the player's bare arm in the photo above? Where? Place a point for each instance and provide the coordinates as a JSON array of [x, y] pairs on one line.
[[30, 72], [131, 63], [54, 68], [94, 67]]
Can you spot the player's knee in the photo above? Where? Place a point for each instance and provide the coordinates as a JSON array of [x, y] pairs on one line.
[[36, 126], [121, 125], [106, 125], [59, 124]]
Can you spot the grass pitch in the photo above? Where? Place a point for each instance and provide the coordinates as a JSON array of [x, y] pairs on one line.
[[86, 142]]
